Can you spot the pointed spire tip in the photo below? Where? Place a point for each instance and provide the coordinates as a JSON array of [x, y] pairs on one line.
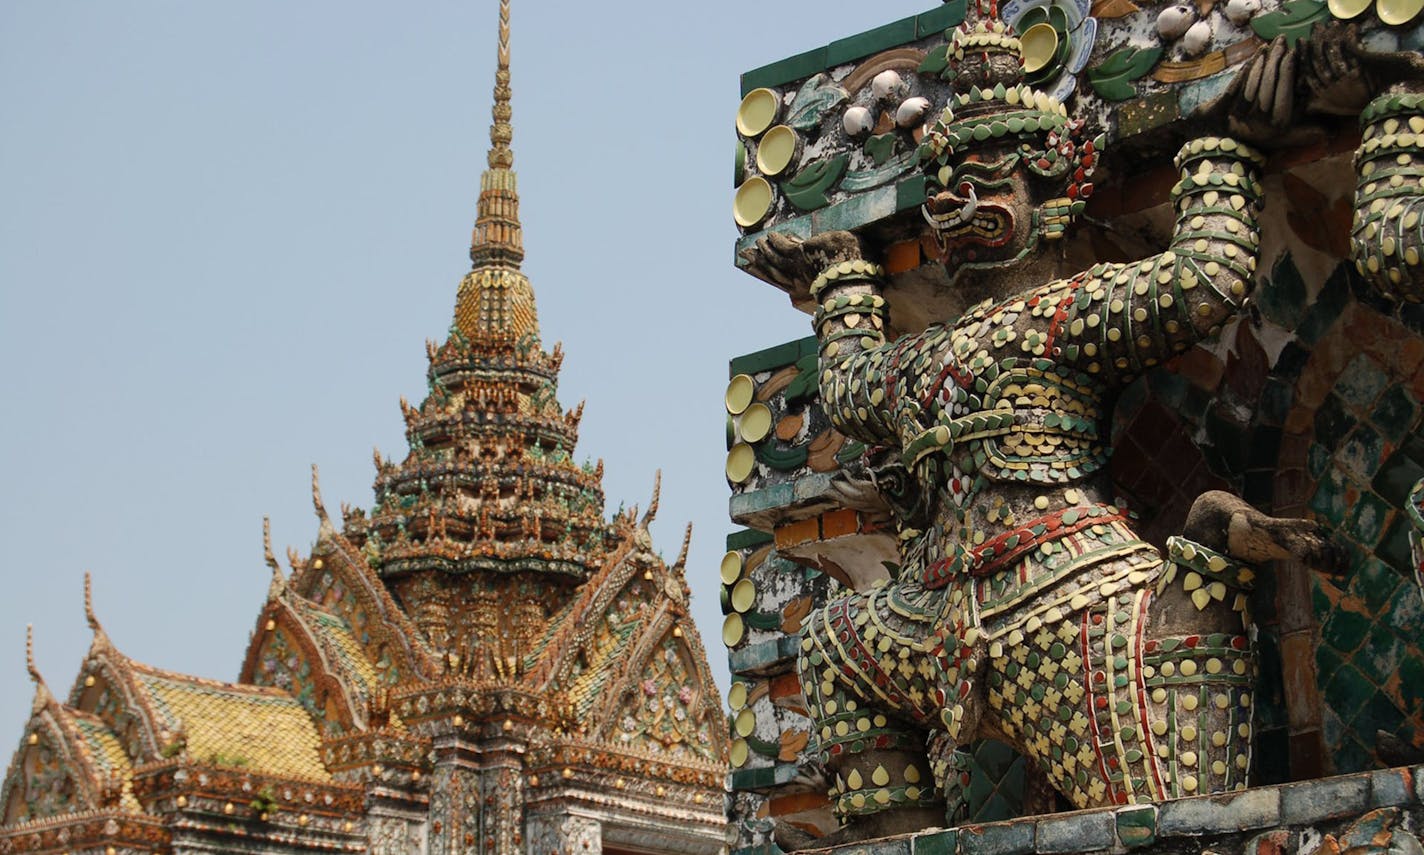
[[497, 238], [501, 156]]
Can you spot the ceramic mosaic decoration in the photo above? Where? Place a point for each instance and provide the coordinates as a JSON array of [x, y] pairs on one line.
[[1022, 601]]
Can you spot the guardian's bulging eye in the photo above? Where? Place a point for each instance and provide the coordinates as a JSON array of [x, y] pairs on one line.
[[982, 174], [1000, 168]]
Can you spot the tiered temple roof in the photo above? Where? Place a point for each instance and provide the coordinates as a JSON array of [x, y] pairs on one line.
[[483, 620]]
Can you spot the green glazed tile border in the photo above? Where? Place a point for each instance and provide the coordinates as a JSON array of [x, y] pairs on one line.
[[949, 14], [871, 41], [785, 70], [910, 193], [854, 47], [1137, 826], [763, 778], [781, 495], [773, 357], [764, 655], [777, 496], [747, 538], [937, 843], [858, 210]]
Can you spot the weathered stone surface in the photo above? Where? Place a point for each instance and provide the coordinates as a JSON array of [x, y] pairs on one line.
[[1076, 832], [1259, 808], [1004, 838], [887, 846], [1333, 812], [1389, 787], [1314, 801]]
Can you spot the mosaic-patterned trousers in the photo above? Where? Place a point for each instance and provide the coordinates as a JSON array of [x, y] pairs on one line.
[[1126, 676]]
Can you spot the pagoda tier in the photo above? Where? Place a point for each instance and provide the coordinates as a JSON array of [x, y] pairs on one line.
[[487, 525], [489, 483]]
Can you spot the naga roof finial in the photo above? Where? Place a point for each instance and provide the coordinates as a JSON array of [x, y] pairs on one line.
[[321, 515], [681, 563], [89, 603], [30, 655], [279, 582], [42, 698], [655, 500], [267, 555]]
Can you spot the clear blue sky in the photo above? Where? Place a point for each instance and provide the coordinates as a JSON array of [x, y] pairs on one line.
[[226, 231]]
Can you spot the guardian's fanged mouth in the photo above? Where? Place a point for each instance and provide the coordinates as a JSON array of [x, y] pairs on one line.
[[957, 220]]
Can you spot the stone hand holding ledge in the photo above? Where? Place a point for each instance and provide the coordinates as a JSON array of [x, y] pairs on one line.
[[792, 263], [1279, 96]]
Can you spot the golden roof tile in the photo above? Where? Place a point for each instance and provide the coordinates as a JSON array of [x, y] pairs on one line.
[[266, 730], [107, 754]]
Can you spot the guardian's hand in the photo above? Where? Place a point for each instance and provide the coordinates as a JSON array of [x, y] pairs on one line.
[[793, 264]]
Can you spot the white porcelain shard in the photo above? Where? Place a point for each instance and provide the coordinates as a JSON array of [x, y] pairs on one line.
[[1173, 21], [1240, 12], [912, 112], [1198, 37], [857, 121], [885, 84]]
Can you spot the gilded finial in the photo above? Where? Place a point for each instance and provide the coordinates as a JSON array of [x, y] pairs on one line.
[[501, 156], [497, 238]]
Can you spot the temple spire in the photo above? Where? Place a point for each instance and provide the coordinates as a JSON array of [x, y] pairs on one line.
[[495, 306], [497, 236]]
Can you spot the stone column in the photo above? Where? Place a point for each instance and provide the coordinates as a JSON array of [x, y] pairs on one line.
[[395, 823], [455, 796], [504, 806], [565, 834]]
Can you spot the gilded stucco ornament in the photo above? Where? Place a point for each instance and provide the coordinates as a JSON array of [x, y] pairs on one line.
[[1026, 607]]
